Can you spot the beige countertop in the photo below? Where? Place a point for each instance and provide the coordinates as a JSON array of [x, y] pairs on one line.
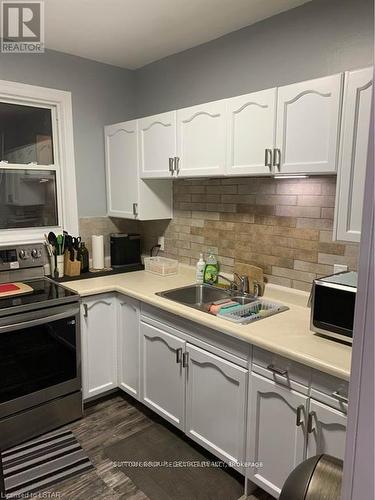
[[287, 333]]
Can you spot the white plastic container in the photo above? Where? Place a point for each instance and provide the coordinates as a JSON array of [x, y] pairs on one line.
[[161, 266]]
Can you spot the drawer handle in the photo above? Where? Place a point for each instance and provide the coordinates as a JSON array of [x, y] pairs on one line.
[[279, 371], [299, 420], [340, 397], [185, 359], [85, 310], [178, 355], [310, 426]]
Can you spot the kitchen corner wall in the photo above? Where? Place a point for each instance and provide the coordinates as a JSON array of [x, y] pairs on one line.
[[282, 226]]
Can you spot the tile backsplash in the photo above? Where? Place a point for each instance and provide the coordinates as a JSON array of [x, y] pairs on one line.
[[281, 225]]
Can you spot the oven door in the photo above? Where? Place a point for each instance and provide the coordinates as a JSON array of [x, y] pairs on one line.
[[39, 357]]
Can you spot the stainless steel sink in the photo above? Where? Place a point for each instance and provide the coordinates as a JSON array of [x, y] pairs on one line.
[[202, 296]]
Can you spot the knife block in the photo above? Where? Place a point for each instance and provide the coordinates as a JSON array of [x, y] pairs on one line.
[[71, 268]]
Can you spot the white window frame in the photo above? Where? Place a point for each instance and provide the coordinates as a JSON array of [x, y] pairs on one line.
[[60, 103]]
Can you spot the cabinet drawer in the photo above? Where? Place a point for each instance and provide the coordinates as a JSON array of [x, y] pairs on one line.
[[329, 390], [282, 370]]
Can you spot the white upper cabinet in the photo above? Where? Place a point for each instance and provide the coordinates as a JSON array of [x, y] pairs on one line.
[[128, 196], [121, 147], [251, 133], [307, 130], [353, 155], [201, 140], [157, 145]]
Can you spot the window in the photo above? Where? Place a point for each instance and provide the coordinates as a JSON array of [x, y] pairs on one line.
[[37, 174]]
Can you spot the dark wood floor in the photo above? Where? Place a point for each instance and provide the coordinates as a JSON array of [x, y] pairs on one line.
[[106, 423]]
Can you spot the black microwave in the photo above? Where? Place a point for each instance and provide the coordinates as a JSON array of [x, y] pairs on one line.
[[332, 305]]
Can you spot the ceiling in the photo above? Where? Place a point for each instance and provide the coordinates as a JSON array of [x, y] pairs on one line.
[[132, 33]]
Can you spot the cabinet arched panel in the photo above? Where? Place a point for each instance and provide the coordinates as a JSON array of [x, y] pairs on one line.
[[215, 404], [308, 120], [163, 377], [98, 327], [128, 345], [201, 139], [272, 428], [157, 143], [251, 130], [353, 157], [121, 168]]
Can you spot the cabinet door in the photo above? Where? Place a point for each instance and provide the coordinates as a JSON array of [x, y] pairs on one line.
[[308, 119], [128, 345], [98, 327], [326, 432], [201, 139], [216, 404], [251, 133], [157, 144], [163, 377], [274, 437], [353, 158], [121, 149]]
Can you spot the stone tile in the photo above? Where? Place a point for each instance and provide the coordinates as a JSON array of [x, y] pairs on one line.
[[316, 201], [315, 223], [274, 199], [293, 274], [328, 213], [298, 211], [301, 285], [333, 248], [312, 267], [278, 280], [285, 187], [204, 215], [256, 209]]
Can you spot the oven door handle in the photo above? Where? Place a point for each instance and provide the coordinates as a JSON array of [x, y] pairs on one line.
[[43, 318]]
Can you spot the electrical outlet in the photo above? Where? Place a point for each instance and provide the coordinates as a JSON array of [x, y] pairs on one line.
[[339, 268], [161, 242]]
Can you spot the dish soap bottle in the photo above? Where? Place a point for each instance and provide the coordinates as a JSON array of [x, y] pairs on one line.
[[201, 265], [211, 269]]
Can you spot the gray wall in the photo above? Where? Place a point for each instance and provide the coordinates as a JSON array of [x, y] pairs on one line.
[[101, 94], [319, 38]]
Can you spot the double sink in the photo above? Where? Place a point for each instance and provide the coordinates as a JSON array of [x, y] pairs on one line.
[[202, 296]]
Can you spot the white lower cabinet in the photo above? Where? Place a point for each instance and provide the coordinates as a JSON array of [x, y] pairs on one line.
[[216, 404], [98, 330], [163, 376], [128, 345], [326, 431], [276, 432]]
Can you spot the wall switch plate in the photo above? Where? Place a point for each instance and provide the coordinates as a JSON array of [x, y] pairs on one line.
[[161, 242], [339, 268]]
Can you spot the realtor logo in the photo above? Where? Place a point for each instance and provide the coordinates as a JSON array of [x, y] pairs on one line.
[[22, 26]]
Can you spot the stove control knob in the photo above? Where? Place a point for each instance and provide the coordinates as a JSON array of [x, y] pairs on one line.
[[35, 253], [22, 254]]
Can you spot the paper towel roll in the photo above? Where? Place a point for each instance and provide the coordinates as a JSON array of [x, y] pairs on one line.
[[97, 251]]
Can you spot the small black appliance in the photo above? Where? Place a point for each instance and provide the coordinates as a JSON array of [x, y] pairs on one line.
[[125, 249]]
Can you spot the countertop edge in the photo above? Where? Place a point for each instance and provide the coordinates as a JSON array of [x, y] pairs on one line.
[[198, 317]]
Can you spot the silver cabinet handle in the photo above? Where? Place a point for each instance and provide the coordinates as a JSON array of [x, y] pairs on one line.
[[340, 397], [276, 158], [178, 355], [4, 162], [177, 165], [299, 420], [268, 158], [135, 209], [279, 371], [85, 310], [310, 426], [171, 165], [185, 359]]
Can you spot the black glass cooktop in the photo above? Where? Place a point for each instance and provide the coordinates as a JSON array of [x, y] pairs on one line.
[[45, 293]]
